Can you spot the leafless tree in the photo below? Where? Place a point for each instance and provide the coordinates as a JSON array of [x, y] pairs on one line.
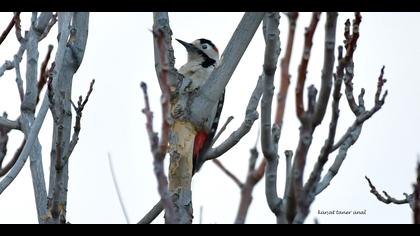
[[182, 120], [413, 199], [72, 38]]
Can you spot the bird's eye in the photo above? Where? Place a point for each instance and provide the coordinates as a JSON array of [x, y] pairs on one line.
[[204, 46]]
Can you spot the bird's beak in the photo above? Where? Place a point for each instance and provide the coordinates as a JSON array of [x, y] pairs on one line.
[[189, 46]]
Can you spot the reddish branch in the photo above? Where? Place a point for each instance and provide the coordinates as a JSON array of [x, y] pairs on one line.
[[4, 138], [9, 27], [253, 178], [284, 65], [18, 29], [350, 44], [309, 33], [158, 157], [11, 163], [228, 173], [44, 72]]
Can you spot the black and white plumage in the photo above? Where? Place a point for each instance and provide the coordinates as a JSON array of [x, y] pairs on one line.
[[203, 57]]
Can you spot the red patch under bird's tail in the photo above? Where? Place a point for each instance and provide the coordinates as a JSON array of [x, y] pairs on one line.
[[199, 143]]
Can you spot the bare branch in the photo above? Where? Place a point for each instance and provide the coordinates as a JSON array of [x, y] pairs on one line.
[[31, 137], [387, 199], [327, 70], [44, 72], [272, 52], [79, 109], [9, 124], [72, 38], [158, 158], [228, 173], [8, 28], [284, 64], [216, 137], [8, 65], [163, 78], [19, 81], [352, 134], [6, 168], [347, 62], [252, 179], [363, 114], [152, 214], [162, 31], [258, 174], [310, 186], [251, 115], [117, 189], [28, 108], [289, 155], [18, 29], [273, 200], [49, 26], [309, 33], [351, 45], [4, 138]]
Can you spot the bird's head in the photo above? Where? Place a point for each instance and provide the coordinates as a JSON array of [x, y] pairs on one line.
[[202, 49]]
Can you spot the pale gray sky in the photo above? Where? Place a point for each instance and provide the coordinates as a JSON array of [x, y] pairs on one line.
[[119, 56]]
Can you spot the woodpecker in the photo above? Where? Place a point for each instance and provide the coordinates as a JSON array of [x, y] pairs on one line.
[[203, 57]]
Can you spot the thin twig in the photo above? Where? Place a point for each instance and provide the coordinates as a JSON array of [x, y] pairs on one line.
[[387, 199], [158, 158], [31, 137], [251, 115], [79, 109], [228, 173], [309, 33], [216, 137], [44, 72], [8, 28], [117, 189], [252, 179], [11, 163], [152, 214]]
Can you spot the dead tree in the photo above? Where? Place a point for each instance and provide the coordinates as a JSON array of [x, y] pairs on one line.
[[413, 199], [72, 38]]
